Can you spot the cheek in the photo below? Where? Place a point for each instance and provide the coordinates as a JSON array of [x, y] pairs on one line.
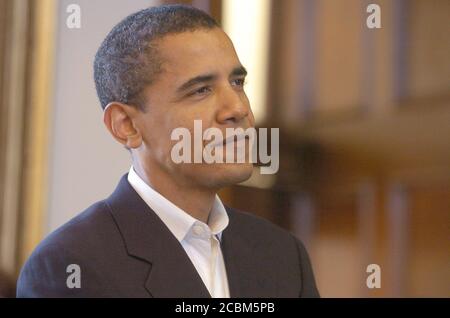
[[194, 118], [156, 135], [163, 130]]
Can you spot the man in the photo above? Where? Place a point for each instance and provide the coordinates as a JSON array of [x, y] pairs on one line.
[[164, 232]]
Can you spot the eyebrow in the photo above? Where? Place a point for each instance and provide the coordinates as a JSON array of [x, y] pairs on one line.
[[237, 71]]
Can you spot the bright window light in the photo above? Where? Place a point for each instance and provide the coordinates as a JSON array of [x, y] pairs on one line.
[[247, 23]]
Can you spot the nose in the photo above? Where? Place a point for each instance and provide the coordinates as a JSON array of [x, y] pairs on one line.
[[234, 108]]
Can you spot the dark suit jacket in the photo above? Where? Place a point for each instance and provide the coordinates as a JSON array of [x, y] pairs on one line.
[[124, 250]]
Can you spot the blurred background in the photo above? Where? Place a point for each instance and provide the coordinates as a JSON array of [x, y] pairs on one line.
[[364, 118]]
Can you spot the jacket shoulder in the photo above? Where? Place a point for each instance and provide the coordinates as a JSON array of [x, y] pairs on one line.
[[76, 242], [91, 227], [279, 245], [254, 225]]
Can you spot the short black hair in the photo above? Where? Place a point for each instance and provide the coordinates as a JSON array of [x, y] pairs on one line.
[[127, 60]]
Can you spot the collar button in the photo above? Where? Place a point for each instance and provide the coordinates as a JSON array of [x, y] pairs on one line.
[[198, 230]]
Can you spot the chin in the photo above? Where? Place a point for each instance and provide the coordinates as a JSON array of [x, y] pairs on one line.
[[229, 174], [217, 176]]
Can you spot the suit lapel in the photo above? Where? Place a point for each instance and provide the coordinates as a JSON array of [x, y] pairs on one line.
[[146, 237]]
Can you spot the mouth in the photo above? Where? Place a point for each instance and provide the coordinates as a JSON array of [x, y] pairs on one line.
[[233, 138]]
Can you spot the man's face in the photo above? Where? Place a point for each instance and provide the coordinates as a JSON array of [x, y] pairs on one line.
[[201, 79]]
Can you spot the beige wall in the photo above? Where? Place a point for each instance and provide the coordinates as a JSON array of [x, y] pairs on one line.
[[85, 162]]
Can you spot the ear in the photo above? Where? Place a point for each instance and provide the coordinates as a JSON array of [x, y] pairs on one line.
[[120, 120]]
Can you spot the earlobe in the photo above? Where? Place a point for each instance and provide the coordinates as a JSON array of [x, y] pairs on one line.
[[134, 140], [117, 118]]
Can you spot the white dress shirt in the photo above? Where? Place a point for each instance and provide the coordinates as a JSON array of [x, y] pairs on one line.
[[200, 241]]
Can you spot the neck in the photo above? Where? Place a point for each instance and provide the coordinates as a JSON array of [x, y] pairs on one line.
[[193, 200]]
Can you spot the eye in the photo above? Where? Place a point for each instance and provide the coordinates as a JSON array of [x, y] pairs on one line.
[[201, 91], [238, 82]]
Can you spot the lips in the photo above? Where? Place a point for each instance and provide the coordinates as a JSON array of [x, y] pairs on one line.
[[223, 142]]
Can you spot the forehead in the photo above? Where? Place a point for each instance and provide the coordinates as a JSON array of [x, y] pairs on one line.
[[192, 53]]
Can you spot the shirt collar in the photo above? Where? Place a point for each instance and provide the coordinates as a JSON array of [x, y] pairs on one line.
[[177, 220]]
